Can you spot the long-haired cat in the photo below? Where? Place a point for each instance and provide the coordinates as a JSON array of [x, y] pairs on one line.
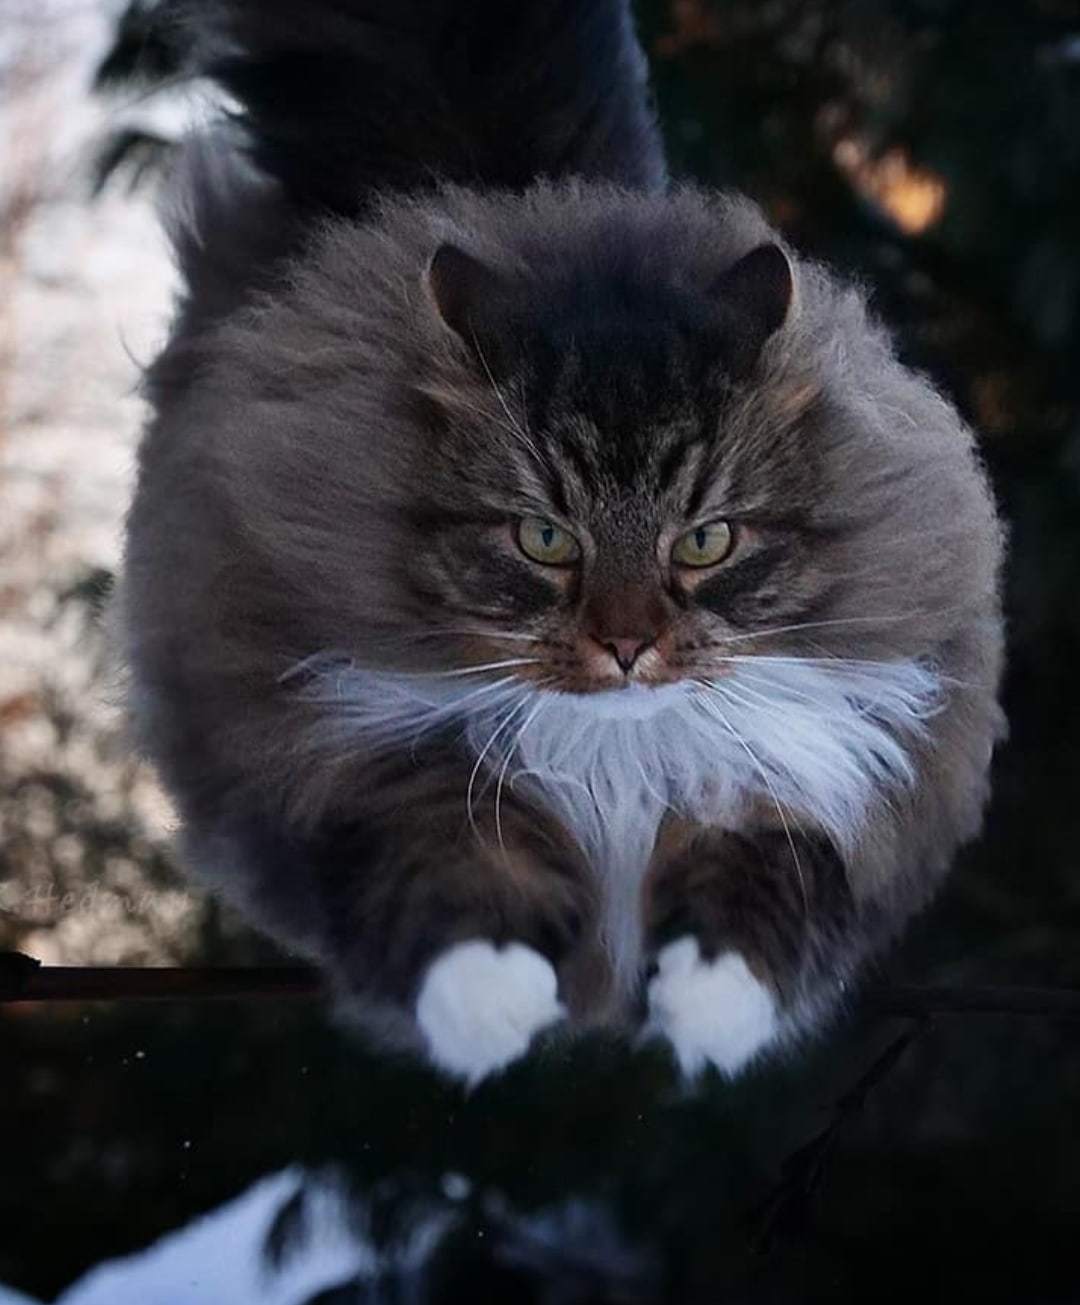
[[548, 600]]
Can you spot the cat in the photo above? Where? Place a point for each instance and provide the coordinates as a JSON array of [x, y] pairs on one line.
[[547, 598]]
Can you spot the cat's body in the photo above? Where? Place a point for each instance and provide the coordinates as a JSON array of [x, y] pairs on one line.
[[491, 786]]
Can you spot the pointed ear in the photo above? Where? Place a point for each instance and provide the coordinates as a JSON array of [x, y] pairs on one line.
[[756, 295], [468, 295]]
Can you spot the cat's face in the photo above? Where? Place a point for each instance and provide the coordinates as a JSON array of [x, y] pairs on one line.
[[619, 473], [610, 527], [630, 583]]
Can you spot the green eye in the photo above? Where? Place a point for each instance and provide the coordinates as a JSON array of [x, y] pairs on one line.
[[546, 542], [704, 546]]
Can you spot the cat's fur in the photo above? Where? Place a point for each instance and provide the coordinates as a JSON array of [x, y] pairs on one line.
[[448, 288]]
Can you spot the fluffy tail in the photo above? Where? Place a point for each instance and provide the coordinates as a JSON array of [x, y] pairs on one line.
[[341, 99], [344, 96]]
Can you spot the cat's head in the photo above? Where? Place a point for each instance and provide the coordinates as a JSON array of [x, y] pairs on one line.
[[605, 441], [620, 538]]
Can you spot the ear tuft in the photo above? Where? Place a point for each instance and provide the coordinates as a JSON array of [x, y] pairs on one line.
[[466, 292]]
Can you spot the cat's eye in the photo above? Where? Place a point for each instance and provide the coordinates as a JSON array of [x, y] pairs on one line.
[[704, 545], [547, 543]]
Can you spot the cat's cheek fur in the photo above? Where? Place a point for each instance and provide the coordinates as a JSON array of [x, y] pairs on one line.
[[712, 1012], [480, 1007]]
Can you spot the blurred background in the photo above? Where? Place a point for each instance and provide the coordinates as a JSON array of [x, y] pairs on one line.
[[930, 149]]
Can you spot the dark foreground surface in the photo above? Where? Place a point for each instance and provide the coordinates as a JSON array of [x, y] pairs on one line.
[[931, 149], [898, 1161]]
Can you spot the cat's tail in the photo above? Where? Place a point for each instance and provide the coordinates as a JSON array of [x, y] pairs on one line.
[[341, 99]]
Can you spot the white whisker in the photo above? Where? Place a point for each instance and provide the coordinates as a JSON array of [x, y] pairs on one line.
[[477, 670], [818, 625], [483, 634], [516, 427], [837, 663], [505, 765], [453, 713], [500, 727], [860, 685], [741, 677], [846, 666], [726, 690], [400, 639], [710, 705]]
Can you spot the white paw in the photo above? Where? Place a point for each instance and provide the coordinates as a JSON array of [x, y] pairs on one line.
[[712, 1012], [480, 1007]]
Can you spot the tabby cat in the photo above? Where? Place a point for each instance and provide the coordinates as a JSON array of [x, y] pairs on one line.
[[548, 600]]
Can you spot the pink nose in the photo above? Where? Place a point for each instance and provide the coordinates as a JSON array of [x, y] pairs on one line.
[[625, 651]]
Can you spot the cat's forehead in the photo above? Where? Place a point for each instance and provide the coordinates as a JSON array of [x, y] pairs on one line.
[[623, 371], [621, 401], [646, 418], [619, 471]]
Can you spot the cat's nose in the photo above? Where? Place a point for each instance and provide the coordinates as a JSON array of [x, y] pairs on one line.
[[625, 651]]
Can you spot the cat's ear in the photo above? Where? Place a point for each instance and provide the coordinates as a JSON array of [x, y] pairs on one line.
[[469, 296], [755, 294]]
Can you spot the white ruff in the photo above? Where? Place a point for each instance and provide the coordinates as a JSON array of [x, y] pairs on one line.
[[821, 738]]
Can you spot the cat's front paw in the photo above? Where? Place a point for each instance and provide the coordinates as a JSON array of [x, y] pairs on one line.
[[480, 1006], [712, 1012]]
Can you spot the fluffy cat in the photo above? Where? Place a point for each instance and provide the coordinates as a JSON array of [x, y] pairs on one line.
[[547, 598]]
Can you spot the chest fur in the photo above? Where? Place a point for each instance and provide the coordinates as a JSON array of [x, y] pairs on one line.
[[827, 739]]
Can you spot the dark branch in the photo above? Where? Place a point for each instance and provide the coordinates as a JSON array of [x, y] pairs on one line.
[[24, 979], [917, 1003], [786, 1208]]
